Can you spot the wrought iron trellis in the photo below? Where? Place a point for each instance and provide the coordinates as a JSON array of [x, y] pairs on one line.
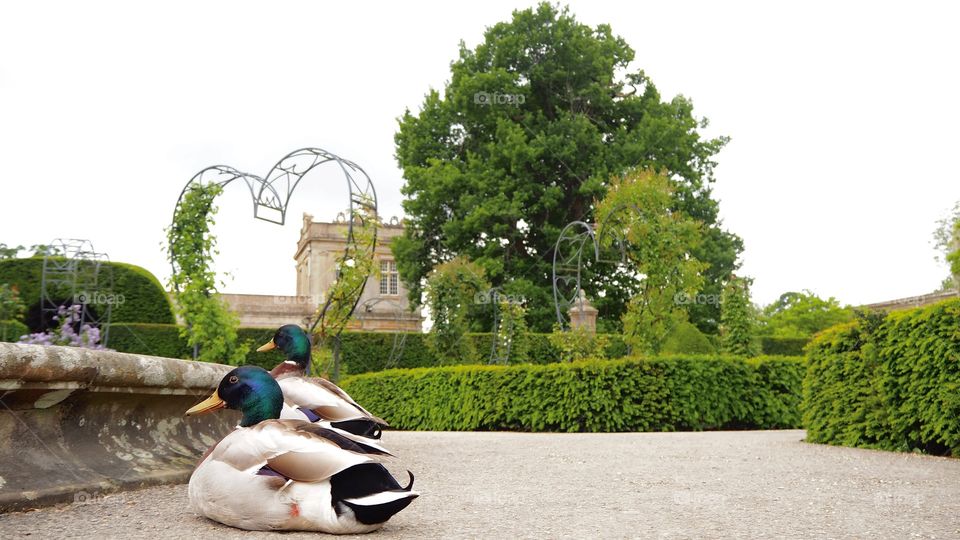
[[568, 266], [568, 257], [76, 273], [271, 195]]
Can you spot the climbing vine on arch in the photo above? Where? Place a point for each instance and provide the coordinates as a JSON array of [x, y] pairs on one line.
[[211, 328]]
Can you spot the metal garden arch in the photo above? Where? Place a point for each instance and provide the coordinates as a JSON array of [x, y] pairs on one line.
[[270, 196]]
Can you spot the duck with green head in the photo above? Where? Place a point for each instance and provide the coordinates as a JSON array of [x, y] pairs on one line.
[[315, 398], [273, 474]]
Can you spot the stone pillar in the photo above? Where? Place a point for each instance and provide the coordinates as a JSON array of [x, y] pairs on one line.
[[583, 315]]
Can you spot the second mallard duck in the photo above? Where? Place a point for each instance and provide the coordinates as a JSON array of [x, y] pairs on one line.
[[314, 397]]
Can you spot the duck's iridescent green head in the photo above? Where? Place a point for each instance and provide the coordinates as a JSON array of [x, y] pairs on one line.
[[248, 389], [293, 341]]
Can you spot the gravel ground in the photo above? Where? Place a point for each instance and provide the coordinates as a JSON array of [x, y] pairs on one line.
[[649, 485]]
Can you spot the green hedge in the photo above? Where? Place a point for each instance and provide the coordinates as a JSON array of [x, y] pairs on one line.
[[361, 352], [364, 352], [144, 299], [165, 340], [888, 381], [662, 394], [10, 331], [780, 346], [686, 338]]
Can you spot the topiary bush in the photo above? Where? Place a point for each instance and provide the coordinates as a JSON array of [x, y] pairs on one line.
[[887, 381], [144, 299], [10, 331], [685, 338], [661, 394]]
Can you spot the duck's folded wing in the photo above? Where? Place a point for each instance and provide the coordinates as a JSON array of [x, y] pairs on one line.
[[310, 452], [326, 399]]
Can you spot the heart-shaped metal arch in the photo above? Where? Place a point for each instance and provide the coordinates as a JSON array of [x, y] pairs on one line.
[[271, 195], [568, 257]]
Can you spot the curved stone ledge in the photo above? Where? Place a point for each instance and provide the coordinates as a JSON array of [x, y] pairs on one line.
[[77, 423]]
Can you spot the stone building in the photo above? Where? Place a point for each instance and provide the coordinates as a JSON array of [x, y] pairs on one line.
[[383, 306]]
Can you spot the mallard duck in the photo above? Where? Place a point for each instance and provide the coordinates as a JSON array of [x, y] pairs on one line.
[[316, 398], [272, 474]]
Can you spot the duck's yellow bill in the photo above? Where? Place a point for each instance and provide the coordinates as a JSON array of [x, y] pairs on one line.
[[210, 404], [268, 346]]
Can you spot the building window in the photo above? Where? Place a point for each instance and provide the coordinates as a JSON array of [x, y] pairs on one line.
[[389, 278]]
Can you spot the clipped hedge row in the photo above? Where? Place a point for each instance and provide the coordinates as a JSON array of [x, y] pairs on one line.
[[361, 352], [887, 381], [10, 331], [782, 346], [364, 352], [661, 394], [144, 299]]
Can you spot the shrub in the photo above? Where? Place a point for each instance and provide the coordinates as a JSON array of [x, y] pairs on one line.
[[661, 394], [685, 338], [144, 299], [887, 381], [10, 331], [11, 306], [575, 344]]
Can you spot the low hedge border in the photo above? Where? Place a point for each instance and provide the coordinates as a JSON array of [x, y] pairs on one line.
[[660, 394], [890, 382], [361, 352]]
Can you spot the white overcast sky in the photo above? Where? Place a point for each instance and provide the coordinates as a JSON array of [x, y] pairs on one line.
[[843, 121]]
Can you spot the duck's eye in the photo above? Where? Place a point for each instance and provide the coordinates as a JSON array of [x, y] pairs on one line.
[[234, 379]]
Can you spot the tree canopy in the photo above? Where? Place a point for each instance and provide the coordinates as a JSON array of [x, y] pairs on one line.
[[946, 240], [526, 135], [802, 314]]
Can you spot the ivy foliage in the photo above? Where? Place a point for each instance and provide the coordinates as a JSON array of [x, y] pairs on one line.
[[210, 325], [452, 289], [513, 344], [353, 267], [738, 319], [657, 244], [661, 394]]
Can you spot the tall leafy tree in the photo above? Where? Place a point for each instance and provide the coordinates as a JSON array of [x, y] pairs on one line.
[[9, 252], [528, 132], [802, 314]]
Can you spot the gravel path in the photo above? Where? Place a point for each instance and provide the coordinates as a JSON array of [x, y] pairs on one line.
[[649, 485]]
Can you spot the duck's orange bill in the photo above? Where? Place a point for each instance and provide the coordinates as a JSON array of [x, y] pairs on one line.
[[210, 404], [269, 346]]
